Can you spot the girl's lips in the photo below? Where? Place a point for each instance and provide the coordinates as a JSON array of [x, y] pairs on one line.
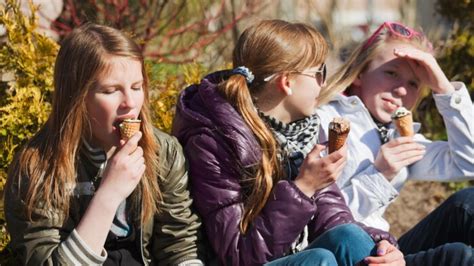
[[389, 106]]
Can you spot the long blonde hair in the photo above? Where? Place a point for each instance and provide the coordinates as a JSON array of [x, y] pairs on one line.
[[360, 59], [266, 48], [49, 160]]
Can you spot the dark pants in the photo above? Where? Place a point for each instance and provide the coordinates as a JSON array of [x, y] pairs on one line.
[[445, 236]]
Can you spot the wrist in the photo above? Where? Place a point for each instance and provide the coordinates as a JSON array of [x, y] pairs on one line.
[[386, 173], [305, 187], [107, 200], [446, 88]]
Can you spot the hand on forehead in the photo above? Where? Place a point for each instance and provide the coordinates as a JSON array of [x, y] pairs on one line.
[[406, 57]]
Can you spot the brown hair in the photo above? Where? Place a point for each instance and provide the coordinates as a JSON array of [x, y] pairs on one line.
[[360, 59], [266, 48], [49, 159]]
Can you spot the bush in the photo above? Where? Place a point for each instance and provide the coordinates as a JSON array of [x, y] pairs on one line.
[[166, 82], [456, 59], [27, 58]]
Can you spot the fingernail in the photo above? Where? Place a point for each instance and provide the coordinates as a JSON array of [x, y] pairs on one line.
[[366, 260], [380, 252]]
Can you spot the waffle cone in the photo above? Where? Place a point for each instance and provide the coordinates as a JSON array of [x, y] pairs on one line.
[[405, 125], [336, 140], [128, 128]]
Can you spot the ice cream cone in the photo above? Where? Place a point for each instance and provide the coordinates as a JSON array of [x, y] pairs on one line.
[[403, 120], [129, 127], [338, 131]]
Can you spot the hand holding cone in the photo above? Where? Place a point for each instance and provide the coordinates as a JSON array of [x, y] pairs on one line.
[[128, 127], [338, 131], [403, 120]]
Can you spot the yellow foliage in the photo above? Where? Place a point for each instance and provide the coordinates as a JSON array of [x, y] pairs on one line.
[[28, 58], [164, 93]]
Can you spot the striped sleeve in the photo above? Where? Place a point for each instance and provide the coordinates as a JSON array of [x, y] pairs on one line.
[[193, 262], [76, 251]]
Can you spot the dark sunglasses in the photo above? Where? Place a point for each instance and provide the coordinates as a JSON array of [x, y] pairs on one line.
[[394, 28]]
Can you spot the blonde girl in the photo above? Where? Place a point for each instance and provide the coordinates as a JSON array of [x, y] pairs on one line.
[[385, 72]]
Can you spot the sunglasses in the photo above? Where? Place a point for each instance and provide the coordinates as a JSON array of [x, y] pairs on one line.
[[319, 75], [394, 28]]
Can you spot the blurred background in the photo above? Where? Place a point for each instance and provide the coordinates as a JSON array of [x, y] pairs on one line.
[[184, 39]]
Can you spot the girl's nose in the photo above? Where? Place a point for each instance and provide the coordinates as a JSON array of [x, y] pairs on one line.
[[400, 90], [128, 100]]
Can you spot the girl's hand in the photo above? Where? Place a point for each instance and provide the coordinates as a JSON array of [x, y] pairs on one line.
[[317, 173], [387, 254], [426, 68], [124, 170], [396, 154]]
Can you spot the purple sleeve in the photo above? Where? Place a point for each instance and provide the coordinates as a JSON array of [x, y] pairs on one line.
[[217, 196]]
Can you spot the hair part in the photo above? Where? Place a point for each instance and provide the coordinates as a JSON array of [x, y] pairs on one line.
[[49, 160], [266, 48]]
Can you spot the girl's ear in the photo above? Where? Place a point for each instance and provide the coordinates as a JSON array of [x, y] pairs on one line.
[[283, 83], [357, 81], [355, 87]]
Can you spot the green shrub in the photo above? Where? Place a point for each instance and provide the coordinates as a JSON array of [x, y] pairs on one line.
[[456, 59], [165, 89], [28, 58]]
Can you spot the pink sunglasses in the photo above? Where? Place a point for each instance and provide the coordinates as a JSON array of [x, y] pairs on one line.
[[395, 28]]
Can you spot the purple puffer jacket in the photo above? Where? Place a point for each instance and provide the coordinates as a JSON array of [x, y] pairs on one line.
[[219, 146]]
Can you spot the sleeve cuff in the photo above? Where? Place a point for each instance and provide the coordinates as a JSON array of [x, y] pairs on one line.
[[194, 262], [79, 252], [457, 100]]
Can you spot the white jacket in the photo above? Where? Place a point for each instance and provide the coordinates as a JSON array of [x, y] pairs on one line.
[[367, 192]]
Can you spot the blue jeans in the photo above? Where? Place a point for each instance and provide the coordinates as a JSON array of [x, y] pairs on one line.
[[345, 244], [445, 236]]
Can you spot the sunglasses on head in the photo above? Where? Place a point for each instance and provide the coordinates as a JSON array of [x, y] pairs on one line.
[[319, 75], [394, 28]]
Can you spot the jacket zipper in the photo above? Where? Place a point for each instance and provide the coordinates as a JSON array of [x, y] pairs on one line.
[[141, 247], [145, 262]]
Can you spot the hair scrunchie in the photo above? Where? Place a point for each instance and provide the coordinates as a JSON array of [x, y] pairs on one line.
[[241, 70]]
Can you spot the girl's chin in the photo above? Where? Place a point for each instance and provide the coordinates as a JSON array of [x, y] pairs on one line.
[[383, 118]]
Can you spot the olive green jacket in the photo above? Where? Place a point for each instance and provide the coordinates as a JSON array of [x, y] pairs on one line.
[[171, 238]]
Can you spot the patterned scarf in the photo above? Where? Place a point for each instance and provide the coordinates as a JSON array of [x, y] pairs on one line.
[[383, 130], [298, 136]]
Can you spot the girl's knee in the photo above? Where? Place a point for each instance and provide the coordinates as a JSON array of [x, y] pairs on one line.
[[459, 250], [350, 232], [462, 196], [462, 199]]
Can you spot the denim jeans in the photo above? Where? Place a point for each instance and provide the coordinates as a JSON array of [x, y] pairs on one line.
[[345, 244], [445, 236]]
